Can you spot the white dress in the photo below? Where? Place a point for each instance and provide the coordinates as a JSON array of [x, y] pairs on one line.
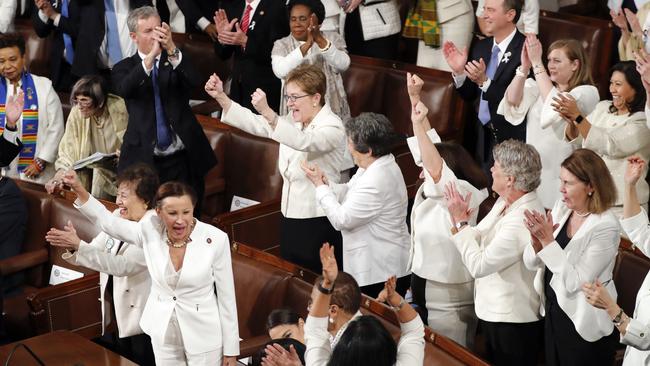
[[545, 131]]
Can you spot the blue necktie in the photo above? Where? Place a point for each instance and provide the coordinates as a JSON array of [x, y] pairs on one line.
[[484, 108], [112, 35], [67, 40], [162, 130]]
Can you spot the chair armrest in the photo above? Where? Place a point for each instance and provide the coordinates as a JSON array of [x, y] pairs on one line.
[[248, 347], [214, 186], [206, 108], [257, 226], [23, 261]]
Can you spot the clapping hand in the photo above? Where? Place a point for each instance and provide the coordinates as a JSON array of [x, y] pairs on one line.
[[389, 295], [643, 67], [618, 18], [475, 71], [541, 228], [534, 49], [597, 295], [233, 38], [634, 170], [276, 355], [163, 34], [66, 238], [313, 173], [566, 105], [221, 22], [71, 179], [414, 87], [457, 205], [456, 59], [633, 21]]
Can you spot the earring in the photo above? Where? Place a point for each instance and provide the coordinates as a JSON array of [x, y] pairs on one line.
[[590, 193], [331, 320]]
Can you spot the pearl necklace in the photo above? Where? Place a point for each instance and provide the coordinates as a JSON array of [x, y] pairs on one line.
[[582, 215], [183, 242]]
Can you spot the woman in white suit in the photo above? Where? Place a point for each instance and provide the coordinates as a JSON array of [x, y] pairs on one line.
[[505, 299], [310, 131], [190, 315], [40, 127], [635, 331], [369, 210], [124, 279], [572, 245]]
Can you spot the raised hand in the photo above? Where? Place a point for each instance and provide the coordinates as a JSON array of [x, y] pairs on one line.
[[456, 59], [618, 18], [14, 108], [419, 113], [330, 268], [163, 34], [234, 38], [526, 64], [643, 67], [457, 205], [534, 49], [258, 100], [414, 87], [475, 71], [633, 21], [221, 22], [389, 295], [634, 169], [214, 86], [566, 105]]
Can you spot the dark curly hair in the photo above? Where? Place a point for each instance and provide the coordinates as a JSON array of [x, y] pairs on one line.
[[316, 7], [632, 77], [13, 40], [145, 179]]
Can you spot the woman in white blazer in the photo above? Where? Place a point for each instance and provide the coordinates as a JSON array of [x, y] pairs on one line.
[[441, 285], [369, 210], [572, 245], [635, 331], [505, 299], [124, 280], [42, 113], [190, 314], [531, 100], [312, 132]]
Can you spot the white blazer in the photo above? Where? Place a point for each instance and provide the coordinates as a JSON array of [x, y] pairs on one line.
[[322, 142], [50, 129], [589, 255], [492, 252], [637, 334], [207, 322], [131, 281], [370, 212]]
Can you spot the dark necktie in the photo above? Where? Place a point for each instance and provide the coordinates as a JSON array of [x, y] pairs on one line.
[[163, 135], [484, 108]]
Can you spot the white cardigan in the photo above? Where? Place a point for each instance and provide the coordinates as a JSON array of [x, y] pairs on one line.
[[492, 252], [131, 281], [50, 130], [207, 322], [589, 255], [370, 211], [321, 142], [637, 334]]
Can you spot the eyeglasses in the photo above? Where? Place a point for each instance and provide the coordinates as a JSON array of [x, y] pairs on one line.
[[293, 98], [82, 102]]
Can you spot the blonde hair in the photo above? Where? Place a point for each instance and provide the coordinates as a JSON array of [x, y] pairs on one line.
[[311, 79], [574, 51], [590, 169]]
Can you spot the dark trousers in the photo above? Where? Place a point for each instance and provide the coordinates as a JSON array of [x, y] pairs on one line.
[[373, 290], [384, 48], [515, 344], [301, 240], [178, 167]]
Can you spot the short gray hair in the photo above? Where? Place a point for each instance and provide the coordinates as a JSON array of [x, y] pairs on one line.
[[371, 131], [143, 12], [521, 161]]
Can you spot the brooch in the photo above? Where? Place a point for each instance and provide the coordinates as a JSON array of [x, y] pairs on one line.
[[506, 57], [252, 25], [110, 243]]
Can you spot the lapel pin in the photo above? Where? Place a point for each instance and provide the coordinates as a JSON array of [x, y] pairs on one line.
[[209, 240], [252, 26], [166, 63], [506, 57], [261, 12]]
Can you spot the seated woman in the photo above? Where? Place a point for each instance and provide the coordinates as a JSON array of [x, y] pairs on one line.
[[532, 100], [96, 123], [40, 126], [441, 284], [124, 279], [369, 210], [307, 44], [365, 340], [312, 132], [633, 331], [615, 129], [505, 298], [287, 345], [190, 314], [572, 245]]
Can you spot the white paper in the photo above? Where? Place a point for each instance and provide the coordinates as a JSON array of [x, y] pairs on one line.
[[240, 202], [61, 275], [82, 163]]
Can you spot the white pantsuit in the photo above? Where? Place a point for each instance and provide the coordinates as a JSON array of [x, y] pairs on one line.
[[206, 322]]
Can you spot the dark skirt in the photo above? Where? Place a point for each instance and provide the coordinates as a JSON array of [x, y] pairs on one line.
[[301, 239]]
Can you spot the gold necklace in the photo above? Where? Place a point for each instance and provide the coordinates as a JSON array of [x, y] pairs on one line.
[[183, 242]]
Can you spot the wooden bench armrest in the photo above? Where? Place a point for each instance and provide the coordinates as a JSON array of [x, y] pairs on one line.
[[248, 347], [23, 261], [214, 186], [206, 108]]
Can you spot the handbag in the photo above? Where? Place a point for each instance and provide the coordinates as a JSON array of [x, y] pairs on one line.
[[379, 19]]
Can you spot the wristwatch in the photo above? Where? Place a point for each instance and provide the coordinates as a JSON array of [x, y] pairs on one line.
[[618, 319], [399, 306], [461, 224], [174, 53], [326, 291], [578, 119]]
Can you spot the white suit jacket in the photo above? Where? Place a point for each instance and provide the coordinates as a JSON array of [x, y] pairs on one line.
[[50, 129], [370, 212], [207, 322], [322, 142], [131, 281], [492, 252], [590, 255], [637, 334]]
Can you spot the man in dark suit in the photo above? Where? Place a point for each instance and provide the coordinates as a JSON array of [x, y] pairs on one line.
[[81, 45], [156, 84], [247, 31], [485, 78]]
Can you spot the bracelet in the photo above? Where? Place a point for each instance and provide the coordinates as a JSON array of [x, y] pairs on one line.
[[540, 72], [538, 66], [400, 305], [327, 47], [14, 129], [323, 290], [39, 164], [618, 319], [520, 72]]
